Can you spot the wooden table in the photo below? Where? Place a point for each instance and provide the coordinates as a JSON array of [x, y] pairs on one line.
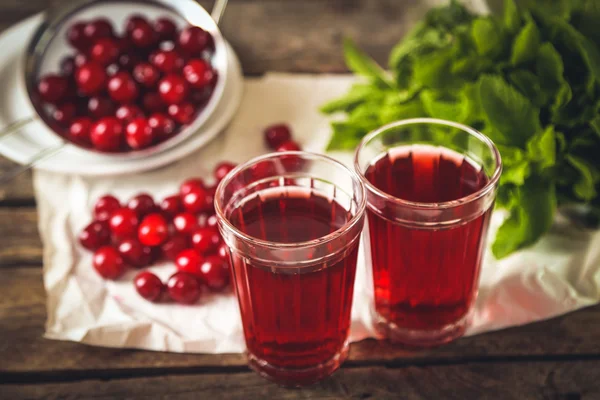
[[556, 359]]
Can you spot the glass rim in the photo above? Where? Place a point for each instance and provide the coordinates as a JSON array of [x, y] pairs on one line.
[[361, 206], [424, 205]]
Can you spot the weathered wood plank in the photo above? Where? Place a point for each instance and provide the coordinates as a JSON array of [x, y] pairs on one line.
[[21, 242], [566, 380], [24, 351]]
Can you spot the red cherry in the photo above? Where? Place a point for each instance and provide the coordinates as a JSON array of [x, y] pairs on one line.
[[173, 89], [165, 28], [152, 102], [276, 135], [191, 184], [80, 59], [108, 263], [142, 35], [97, 29], [148, 285], [212, 222], [79, 131], [184, 288], [53, 88], [185, 223], [107, 134], [76, 37], [193, 40], [122, 87], [167, 60], [100, 106], [174, 246], [195, 201], [183, 113], [135, 254], [171, 206], [142, 204], [205, 240], [198, 73], [153, 230], [133, 21], [146, 74], [210, 198], [105, 206], [189, 261], [262, 169], [138, 134], [64, 114], [222, 169], [223, 252], [127, 112], [215, 272], [288, 146], [162, 126], [67, 66], [123, 223], [129, 60], [200, 96], [105, 51], [95, 235], [90, 78]]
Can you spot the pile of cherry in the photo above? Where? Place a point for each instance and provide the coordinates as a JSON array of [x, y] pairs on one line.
[[128, 92], [181, 228]]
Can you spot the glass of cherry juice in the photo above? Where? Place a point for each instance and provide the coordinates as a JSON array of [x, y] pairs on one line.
[[292, 222], [430, 186]]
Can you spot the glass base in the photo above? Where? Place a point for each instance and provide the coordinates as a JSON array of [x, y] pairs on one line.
[[297, 377], [421, 338]]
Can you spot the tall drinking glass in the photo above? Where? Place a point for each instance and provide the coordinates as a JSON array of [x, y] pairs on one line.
[[292, 222], [431, 186]]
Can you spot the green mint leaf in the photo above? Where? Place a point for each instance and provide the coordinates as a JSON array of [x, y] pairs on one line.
[[394, 112], [585, 19], [357, 94], [528, 83], [516, 173], [585, 187], [595, 125], [526, 44], [448, 17], [511, 18], [362, 64], [436, 107], [541, 148], [508, 111], [430, 70], [487, 37], [345, 136]]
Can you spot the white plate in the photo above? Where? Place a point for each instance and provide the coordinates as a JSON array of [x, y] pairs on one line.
[[25, 144]]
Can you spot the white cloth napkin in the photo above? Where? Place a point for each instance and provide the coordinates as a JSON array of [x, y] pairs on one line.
[[559, 274]]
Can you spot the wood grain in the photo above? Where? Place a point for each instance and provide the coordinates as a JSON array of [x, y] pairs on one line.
[[21, 242], [529, 380]]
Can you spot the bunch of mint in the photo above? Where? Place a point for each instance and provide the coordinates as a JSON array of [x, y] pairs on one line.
[[528, 79]]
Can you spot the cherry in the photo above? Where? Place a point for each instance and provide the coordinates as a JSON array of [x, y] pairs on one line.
[[205, 240], [95, 235], [191, 184], [138, 133], [97, 29], [105, 51], [90, 77], [167, 60], [193, 40], [123, 223], [108, 262], [122, 87], [185, 223], [100, 106], [129, 60], [189, 261], [195, 201], [184, 288], [67, 66], [153, 230], [79, 131], [107, 134], [212, 222], [76, 37], [198, 73], [79, 60], [200, 96], [210, 198], [222, 169], [128, 112], [148, 285], [142, 35], [135, 254], [174, 246], [142, 204], [171, 206], [276, 135], [223, 252], [262, 169], [162, 126], [152, 102], [183, 113], [133, 21], [173, 89], [165, 28], [64, 114], [105, 206], [53, 88], [215, 272], [146, 74], [288, 146]]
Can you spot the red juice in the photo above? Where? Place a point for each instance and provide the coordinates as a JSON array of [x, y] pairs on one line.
[[425, 278], [293, 318]]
